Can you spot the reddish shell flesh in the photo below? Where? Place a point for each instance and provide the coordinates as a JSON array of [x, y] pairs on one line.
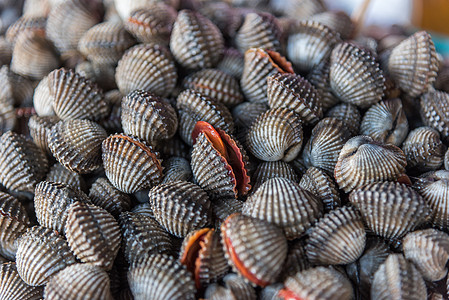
[[404, 179], [212, 135], [288, 295], [280, 62]]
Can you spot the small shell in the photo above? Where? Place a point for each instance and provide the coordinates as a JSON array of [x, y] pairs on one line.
[[148, 67], [413, 64], [386, 122], [429, 251], [124, 8], [196, 43], [390, 209], [284, 203], [59, 173], [339, 21], [40, 128], [76, 144], [176, 168], [8, 116], [130, 164], [43, 100], [79, 281], [180, 207], [337, 239], [113, 123], [24, 23], [299, 9], [42, 253], [276, 135], [424, 150], [349, 114], [435, 111], [218, 292], [255, 249], [160, 277], [355, 76], [363, 160], [174, 147], [397, 278], [13, 287], [296, 93], [232, 63], [105, 195], [272, 169]]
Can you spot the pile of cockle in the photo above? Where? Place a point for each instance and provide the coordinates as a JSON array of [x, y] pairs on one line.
[[181, 149]]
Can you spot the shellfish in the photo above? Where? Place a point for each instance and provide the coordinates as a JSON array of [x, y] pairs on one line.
[[105, 195], [13, 287]]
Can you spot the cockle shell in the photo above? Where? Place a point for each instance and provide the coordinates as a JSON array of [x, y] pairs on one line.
[[176, 168], [300, 9], [105, 195], [42, 99], [319, 183], [434, 111], [25, 23], [319, 77], [113, 123], [232, 63], [124, 8], [349, 114], [102, 74], [235, 288], [59, 173], [272, 169], [223, 208], [244, 115], [339, 21], [296, 259], [40, 128], [13, 287]]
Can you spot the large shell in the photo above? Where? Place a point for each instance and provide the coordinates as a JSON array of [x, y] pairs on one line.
[[276, 135], [148, 67], [386, 122], [105, 195], [434, 111], [59, 173], [390, 209], [79, 281], [42, 253], [196, 43], [272, 169], [176, 168], [348, 114], [255, 249], [337, 239], [13, 287], [180, 207], [428, 249], [25, 23], [130, 164], [160, 277], [413, 64], [284, 203], [40, 128], [42, 99], [258, 65], [76, 144], [397, 278], [363, 160], [355, 76]]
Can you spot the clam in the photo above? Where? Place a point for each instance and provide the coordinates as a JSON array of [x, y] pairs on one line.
[[244, 115], [124, 8], [355, 76], [105, 195], [232, 63], [59, 173], [37, 8], [339, 21], [25, 23], [386, 122], [272, 169], [43, 100], [348, 114], [434, 111], [13, 287], [113, 122], [130, 164], [176, 168], [297, 260], [255, 249], [284, 203], [148, 67], [195, 42], [223, 208], [8, 117], [15, 87], [276, 135], [363, 160], [40, 128]]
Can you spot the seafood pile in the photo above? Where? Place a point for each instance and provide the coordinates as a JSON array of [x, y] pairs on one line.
[[245, 149]]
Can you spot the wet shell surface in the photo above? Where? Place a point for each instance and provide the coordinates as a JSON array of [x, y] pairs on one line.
[[149, 67], [176, 168], [196, 42], [363, 160], [13, 287], [284, 203], [180, 207], [276, 135], [40, 128], [42, 253], [355, 76], [434, 111], [235, 288], [105, 195], [390, 209], [272, 169], [84, 281], [255, 249], [59, 173], [130, 164]]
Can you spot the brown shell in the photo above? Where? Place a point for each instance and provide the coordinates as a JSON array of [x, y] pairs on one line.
[[24, 23], [339, 21], [40, 128], [13, 287], [195, 42], [7, 111], [434, 111], [59, 173], [232, 63], [176, 168], [349, 114], [43, 100], [105, 195], [148, 67], [272, 169], [130, 164]]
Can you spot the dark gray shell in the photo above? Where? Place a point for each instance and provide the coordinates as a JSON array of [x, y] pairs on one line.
[[13, 287], [105, 195], [59, 173], [435, 111]]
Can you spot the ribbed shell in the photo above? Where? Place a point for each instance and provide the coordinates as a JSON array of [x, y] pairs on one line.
[[13, 287], [59, 173], [258, 65], [105, 43], [113, 123], [42, 99], [176, 168], [309, 43], [296, 259], [160, 277], [299, 9], [148, 67], [22, 165], [130, 164], [428, 249], [102, 74], [125, 7], [76, 144], [272, 169], [255, 249], [284, 203], [397, 278], [296, 93], [337, 239], [322, 149], [75, 97], [424, 150], [435, 111], [148, 117], [276, 135], [180, 207], [42, 253], [232, 63], [24, 23], [7, 111], [13, 222], [386, 122], [218, 292], [319, 77], [79, 281], [223, 208], [239, 287], [215, 84], [259, 30], [348, 114], [390, 209], [40, 128], [105, 195], [339, 21], [363, 160], [413, 64], [355, 76], [195, 42], [319, 283]]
